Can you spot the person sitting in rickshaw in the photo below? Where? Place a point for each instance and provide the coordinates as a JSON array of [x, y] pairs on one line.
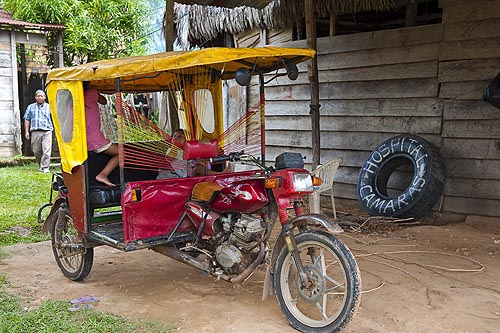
[[178, 139], [202, 167], [96, 141]]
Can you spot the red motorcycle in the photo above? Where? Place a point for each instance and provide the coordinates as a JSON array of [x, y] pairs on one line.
[[220, 223], [225, 231]]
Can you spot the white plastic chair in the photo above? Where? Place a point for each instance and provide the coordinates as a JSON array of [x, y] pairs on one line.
[[327, 173]]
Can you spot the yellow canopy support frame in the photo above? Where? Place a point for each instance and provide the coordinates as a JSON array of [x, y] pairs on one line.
[[169, 71]]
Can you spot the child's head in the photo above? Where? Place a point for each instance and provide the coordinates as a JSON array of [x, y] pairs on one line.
[[179, 136]]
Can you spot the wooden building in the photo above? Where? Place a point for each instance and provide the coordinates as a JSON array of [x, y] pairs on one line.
[[424, 74], [17, 39]]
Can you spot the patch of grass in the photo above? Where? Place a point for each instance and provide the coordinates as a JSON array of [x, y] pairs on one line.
[[23, 189], [3, 254], [54, 316], [3, 280]]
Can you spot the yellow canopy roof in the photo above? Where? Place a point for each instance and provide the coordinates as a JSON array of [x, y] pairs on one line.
[[155, 72]]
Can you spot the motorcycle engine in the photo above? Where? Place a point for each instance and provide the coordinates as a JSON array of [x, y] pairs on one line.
[[242, 232], [228, 256]]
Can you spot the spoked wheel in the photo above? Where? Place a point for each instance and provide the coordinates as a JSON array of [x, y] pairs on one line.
[[328, 298], [74, 260]]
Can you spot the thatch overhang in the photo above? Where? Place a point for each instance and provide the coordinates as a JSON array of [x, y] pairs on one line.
[[197, 23], [227, 3]]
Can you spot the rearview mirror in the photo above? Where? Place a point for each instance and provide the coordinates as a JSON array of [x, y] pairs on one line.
[[243, 76], [292, 71]]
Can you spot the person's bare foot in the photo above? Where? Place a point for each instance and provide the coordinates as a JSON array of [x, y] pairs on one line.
[[104, 180]]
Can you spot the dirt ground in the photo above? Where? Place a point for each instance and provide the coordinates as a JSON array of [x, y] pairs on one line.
[[414, 278]]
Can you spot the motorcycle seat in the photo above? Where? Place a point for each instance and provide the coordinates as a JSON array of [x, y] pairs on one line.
[[100, 197]]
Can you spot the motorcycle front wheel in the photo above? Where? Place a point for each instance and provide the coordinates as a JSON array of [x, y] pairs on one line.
[[74, 260], [329, 298]]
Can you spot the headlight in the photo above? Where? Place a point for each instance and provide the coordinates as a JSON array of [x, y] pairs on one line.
[[302, 182]]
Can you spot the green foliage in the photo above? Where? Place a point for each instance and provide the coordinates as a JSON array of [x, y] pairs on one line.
[[95, 29], [54, 11], [3, 280], [23, 190], [155, 116], [53, 316]]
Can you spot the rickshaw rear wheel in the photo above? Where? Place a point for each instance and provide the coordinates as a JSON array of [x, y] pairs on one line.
[[72, 257]]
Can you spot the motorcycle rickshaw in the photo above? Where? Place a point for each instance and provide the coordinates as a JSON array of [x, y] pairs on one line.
[[217, 222]]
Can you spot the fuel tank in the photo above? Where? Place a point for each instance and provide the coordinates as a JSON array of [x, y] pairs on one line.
[[245, 197]]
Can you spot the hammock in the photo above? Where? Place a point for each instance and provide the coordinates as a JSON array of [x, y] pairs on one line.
[[148, 147]]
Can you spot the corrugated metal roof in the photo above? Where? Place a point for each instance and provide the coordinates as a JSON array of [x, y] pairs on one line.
[[7, 20]]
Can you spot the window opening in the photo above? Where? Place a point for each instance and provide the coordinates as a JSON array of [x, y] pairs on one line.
[[65, 114], [204, 106]]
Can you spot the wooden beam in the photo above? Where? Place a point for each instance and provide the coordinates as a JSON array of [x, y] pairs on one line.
[[173, 119], [58, 54], [333, 24], [314, 83], [411, 13], [26, 147], [169, 25], [264, 37], [30, 38], [15, 95], [333, 21]]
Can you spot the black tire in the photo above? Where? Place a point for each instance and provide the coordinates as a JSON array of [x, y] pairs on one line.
[[74, 260], [335, 284], [414, 198]]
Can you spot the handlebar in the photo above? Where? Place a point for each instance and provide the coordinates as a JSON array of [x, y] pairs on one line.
[[231, 157], [237, 156]]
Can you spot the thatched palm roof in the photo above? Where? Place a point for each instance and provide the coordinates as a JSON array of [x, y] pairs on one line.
[[227, 3], [197, 23]]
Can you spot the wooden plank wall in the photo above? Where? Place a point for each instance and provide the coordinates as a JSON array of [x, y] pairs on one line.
[[469, 58], [7, 118], [248, 39], [426, 80]]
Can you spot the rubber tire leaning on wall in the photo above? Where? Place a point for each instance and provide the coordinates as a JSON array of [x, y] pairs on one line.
[[422, 193]]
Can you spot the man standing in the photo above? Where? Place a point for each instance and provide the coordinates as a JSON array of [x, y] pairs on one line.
[[38, 127]]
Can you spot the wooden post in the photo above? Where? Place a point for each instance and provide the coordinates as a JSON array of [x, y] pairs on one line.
[[17, 126], [333, 21], [411, 13], [23, 82], [58, 54], [314, 83], [262, 119], [169, 25], [264, 36]]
